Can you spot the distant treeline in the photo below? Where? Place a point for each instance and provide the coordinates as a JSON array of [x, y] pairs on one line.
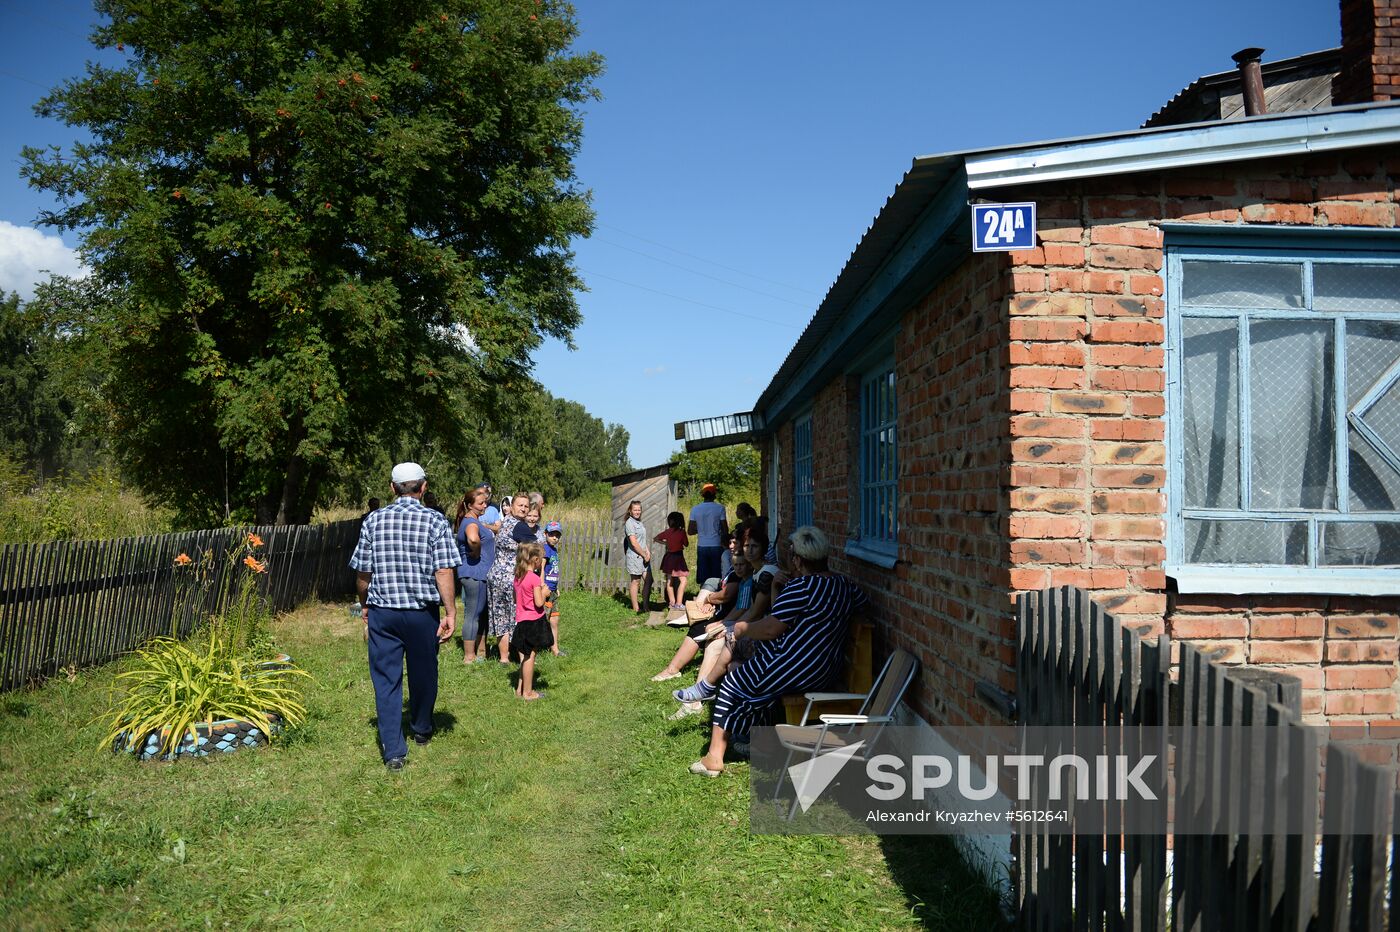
[[58, 419]]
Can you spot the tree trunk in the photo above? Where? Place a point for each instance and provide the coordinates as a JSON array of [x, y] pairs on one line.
[[290, 506]]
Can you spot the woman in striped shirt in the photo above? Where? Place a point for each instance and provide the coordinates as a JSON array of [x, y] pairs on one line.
[[798, 648]]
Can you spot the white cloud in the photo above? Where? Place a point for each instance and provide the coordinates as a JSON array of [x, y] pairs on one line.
[[657, 370], [458, 335], [27, 256]]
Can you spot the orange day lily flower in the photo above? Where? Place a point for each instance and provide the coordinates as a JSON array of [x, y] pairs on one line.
[[254, 540], [254, 565], [183, 560]]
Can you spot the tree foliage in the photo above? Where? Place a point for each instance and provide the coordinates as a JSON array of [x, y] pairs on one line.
[[733, 469], [41, 392], [319, 228]]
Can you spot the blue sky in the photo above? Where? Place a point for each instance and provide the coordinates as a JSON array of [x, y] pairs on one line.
[[740, 150]]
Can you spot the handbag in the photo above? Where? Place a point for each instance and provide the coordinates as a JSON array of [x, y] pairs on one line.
[[697, 612]]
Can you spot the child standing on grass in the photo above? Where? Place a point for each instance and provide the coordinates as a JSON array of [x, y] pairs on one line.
[[553, 532], [673, 565], [532, 633]]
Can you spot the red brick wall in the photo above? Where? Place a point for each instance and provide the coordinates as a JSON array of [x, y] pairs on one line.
[[1086, 392], [1030, 393], [1370, 52], [947, 599]]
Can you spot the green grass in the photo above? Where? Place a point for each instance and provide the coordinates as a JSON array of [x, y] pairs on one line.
[[575, 812]]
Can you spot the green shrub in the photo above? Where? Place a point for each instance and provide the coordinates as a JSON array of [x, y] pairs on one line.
[[88, 507], [174, 685]]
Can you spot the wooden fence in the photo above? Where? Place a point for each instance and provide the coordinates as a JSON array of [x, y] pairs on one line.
[[1256, 788], [1078, 666], [591, 559], [77, 603]]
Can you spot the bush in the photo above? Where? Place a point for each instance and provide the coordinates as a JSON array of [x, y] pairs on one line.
[[89, 507]]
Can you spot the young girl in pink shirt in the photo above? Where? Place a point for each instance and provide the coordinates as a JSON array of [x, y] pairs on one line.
[[532, 633]]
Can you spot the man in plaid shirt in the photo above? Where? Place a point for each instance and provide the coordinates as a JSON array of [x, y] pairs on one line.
[[405, 562]]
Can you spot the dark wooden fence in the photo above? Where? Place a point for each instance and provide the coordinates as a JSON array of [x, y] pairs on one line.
[[1078, 666], [77, 603]]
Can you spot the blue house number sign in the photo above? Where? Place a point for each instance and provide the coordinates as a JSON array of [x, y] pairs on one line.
[[1003, 227]]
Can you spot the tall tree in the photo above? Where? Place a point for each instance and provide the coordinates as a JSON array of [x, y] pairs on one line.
[[323, 222]]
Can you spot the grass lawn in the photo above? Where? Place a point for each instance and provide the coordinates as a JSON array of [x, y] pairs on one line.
[[575, 812]]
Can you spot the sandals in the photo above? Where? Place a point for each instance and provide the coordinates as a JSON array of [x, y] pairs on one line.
[[663, 676], [686, 711], [699, 769]]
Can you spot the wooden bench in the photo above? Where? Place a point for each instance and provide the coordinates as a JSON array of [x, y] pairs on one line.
[[860, 676]]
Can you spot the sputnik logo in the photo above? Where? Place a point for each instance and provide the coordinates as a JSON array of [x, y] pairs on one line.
[[811, 777]]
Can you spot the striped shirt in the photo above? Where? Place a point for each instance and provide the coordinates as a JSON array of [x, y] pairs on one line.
[[401, 546], [816, 609]]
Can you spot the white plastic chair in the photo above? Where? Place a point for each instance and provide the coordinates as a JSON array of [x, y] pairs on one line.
[[842, 730]]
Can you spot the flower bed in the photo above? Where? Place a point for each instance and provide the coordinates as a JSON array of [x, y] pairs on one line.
[[221, 737]]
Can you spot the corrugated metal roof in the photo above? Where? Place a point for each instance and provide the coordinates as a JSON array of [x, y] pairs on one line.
[[891, 224], [708, 432], [1077, 157]]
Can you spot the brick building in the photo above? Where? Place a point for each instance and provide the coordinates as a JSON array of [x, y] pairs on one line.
[[1185, 397]]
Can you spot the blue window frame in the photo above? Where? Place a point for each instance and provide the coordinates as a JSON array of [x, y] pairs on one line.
[[1284, 417], [802, 471], [879, 463]]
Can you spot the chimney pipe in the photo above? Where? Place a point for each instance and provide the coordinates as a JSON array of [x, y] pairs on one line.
[[1251, 81]]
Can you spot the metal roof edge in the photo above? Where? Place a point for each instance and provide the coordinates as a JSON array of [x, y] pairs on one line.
[[1067, 141], [1142, 149], [842, 290], [1193, 144]]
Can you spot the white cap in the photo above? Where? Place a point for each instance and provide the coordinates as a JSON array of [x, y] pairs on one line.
[[407, 472]]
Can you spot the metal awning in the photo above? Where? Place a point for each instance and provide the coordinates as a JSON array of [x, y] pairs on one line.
[[706, 433]]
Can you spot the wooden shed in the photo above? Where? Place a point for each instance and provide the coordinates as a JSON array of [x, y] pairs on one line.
[[656, 490]]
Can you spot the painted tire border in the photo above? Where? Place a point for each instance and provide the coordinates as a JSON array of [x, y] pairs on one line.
[[222, 737]]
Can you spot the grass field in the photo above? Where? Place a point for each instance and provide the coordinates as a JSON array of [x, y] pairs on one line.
[[574, 812]]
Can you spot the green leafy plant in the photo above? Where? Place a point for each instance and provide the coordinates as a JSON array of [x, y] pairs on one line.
[[174, 686]]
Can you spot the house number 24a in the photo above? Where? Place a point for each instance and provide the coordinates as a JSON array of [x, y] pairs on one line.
[[1003, 227]]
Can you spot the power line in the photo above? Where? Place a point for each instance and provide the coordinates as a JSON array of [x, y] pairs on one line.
[[665, 294], [720, 265], [18, 77], [685, 268]]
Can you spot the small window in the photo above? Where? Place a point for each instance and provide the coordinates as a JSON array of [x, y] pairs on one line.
[[879, 466], [802, 471], [1285, 419]]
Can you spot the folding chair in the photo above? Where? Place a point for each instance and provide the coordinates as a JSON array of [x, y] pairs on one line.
[[838, 731]]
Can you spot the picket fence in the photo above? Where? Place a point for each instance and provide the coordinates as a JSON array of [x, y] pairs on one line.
[[1078, 666], [67, 604]]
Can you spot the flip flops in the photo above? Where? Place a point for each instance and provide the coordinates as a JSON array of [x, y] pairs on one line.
[[699, 769], [663, 676]]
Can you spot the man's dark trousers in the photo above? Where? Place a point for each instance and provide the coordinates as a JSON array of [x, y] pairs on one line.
[[707, 563], [396, 633]]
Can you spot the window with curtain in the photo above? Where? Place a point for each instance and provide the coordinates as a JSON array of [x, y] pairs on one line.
[[1285, 411], [878, 461], [802, 471]]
